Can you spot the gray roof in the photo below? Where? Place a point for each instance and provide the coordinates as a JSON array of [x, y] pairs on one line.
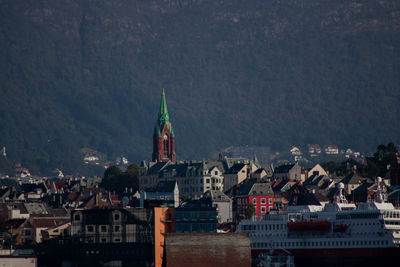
[[36, 208], [257, 189], [163, 186], [217, 195]]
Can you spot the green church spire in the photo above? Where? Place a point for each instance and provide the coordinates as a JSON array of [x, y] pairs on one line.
[[163, 114], [163, 117]]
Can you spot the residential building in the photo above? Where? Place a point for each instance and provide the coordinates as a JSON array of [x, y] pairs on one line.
[[288, 172], [223, 204], [193, 177], [195, 216], [235, 175], [317, 170], [352, 181], [112, 225], [165, 193], [331, 149], [149, 175], [260, 195], [314, 149]]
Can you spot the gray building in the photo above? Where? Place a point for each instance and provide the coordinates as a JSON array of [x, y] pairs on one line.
[[166, 192], [223, 204]]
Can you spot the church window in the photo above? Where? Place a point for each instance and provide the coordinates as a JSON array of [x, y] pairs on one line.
[[165, 146]]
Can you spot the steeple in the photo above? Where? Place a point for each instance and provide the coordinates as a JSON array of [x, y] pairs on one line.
[[163, 114], [164, 137], [163, 117]]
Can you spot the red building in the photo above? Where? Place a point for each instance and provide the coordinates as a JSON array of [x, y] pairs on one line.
[[260, 195], [163, 137]]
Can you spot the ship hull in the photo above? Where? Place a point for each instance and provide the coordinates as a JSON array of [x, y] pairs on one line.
[[341, 256]]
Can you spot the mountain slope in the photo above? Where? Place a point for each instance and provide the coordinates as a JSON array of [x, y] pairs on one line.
[[273, 73]]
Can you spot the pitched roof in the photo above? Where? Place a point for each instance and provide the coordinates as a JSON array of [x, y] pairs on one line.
[[36, 208], [163, 186], [354, 178], [284, 168], [259, 170], [217, 195], [235, 168], [257, 189], [157, 167]]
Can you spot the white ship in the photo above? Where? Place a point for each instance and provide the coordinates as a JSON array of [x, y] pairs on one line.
[[338, 233]]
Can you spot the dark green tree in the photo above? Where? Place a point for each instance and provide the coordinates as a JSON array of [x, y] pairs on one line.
[[249, 211], [118, 181]]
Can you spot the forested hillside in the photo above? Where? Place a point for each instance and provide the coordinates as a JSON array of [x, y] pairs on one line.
[[86, 73]]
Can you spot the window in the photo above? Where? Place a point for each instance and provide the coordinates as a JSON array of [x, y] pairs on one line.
[[90, 228], [165, 145], [116, 228], [263, 201], [270, 201], [116, 217], [254, 201], [103, 228], [263, 209], [77, 217], [215, 172], [207, 181], [27, 232]]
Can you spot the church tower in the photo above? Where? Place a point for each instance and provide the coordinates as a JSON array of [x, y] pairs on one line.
[[163, 137]]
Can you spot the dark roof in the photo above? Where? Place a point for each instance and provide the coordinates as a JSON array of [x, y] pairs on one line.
[[163, 186], [235, 168], [197, 204], [14, 223], [315, 179], [284, 168], [32, 187], [259, 170], [304, 199], [10, 182], [156, 167], [332, 192], [179, 170], [354, 178]]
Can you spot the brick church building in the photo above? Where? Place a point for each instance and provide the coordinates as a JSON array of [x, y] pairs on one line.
[[163, 137]]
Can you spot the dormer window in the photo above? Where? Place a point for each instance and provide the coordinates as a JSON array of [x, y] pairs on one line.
[[117, 216]]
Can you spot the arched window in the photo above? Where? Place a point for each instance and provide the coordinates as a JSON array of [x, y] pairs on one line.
[[166, 146]]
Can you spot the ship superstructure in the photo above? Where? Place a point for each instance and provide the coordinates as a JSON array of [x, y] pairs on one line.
[[337, 229]]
